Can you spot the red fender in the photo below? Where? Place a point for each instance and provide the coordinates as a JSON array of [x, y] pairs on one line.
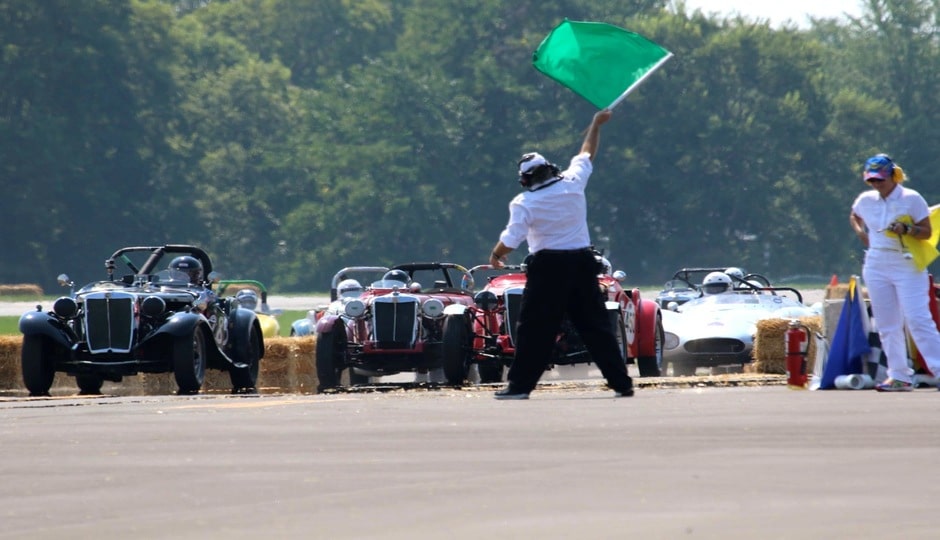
[[919, 363], [645, 314]]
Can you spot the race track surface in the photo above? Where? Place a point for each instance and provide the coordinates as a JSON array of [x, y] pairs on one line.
[[571, 462]]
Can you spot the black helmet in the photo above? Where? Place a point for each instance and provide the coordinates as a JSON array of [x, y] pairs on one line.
[[189, 265], [396, 275], [535, 169]]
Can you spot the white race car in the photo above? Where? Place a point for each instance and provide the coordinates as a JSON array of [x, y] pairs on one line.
[[718, 330]]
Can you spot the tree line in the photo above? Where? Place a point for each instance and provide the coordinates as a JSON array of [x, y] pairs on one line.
[[290, 139]]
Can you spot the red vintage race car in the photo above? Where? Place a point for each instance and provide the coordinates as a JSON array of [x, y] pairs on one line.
[[393, 325], [483, 333]]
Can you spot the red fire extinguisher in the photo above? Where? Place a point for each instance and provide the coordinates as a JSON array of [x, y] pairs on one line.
[[797, 343]]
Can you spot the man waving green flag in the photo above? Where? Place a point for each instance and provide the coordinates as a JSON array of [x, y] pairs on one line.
[[600, 62]]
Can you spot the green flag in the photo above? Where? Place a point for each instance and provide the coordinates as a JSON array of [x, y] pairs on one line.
[[600, 62]]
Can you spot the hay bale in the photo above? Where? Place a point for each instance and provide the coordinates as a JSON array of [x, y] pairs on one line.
[[10, 376], [21, 289], [769, 348], [288, 366], [839, 290]]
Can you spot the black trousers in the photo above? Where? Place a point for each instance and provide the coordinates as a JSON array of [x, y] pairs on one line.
[[559, 283]]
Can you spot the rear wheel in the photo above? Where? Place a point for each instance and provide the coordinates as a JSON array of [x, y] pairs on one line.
[[331, 356], [456, 349], [189, 361], [36, 363], [245, 379], [89, 384], [652, 366]]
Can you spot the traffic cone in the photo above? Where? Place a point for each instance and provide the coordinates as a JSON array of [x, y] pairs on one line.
[[834, 281]]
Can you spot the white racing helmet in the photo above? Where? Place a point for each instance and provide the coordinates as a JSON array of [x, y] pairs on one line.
[[735, 272], [247, 299], [349, 288], [716, 283]]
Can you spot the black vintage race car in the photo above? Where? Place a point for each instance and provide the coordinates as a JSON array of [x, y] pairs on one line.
[[162, 316]]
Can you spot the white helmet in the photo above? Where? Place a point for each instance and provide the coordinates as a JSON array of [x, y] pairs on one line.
[[349, 288], [716, 283], [247, 299], [735, 272]]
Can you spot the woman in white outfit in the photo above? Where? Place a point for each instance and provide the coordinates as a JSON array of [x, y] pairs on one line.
[[898, 291]]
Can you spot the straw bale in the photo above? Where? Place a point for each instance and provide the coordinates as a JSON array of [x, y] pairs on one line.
[[288, 366], [839, 291], [10, 362], [769, 349], [21, 289]]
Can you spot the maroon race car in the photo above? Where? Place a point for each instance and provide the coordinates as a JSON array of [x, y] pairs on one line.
[[395, 324], [483, 333]]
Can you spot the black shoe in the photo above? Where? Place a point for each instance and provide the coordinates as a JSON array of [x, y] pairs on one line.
[[626, 392], [510, 393]]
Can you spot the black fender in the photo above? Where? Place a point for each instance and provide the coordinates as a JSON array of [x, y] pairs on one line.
[[40, 323], [180, 324], [241, 322]]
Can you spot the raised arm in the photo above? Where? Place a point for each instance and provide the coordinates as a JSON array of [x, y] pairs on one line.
[[593, 136]]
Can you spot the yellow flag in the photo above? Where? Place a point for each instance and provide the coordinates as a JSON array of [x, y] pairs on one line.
[[923, 251]]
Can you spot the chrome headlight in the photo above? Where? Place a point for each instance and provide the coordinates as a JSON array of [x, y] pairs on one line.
[[354, 308], [486, 300], [433, 308], [65, 307], [670, 341], [152, 306]]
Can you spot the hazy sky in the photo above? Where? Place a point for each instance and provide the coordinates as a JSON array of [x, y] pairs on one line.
[[777, 11]]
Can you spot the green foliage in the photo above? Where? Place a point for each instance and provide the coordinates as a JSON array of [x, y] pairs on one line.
[[292, 138]]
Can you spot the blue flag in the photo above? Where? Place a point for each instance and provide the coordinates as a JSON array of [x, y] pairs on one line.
[[849, 342]]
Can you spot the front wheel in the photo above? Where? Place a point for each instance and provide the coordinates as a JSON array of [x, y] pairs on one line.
[[652, 366], [189, 361], [245, 379], [456, 349], [37, 365], [331, 356]]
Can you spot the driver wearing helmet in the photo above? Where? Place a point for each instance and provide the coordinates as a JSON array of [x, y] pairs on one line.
[[188, 265], [397, 275], [247, 299], [716, 283], [348, 288]]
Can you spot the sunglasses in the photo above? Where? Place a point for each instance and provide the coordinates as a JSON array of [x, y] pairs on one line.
[[873, 180]]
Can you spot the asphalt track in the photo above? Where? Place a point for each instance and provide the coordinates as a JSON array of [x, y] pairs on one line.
[[572, 462]]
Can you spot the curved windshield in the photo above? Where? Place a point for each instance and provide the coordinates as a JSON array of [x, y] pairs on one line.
[[171, 277]]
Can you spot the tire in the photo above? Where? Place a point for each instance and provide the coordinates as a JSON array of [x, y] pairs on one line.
[[245, 380], [331, 357], [456, 349], [491, 371], [89, 384], [355, 379], [620, 332], [189, 362], [682, 369], [37, 365], [652, 366]]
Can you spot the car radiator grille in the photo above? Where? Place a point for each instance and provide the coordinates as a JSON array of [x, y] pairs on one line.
[[715, 346], [394, 322], [109, 322], [512, 301]]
